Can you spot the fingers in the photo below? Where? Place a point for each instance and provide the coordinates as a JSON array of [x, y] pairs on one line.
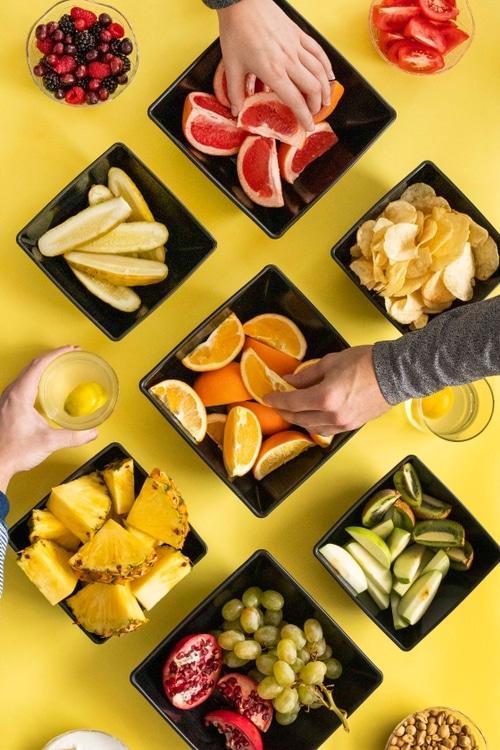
[[308, 376], [297, 401], [319, 53], [308, 85], [71, 438], [288, 92], [235, 76], [317, 70], [310, 420], [26, 384]]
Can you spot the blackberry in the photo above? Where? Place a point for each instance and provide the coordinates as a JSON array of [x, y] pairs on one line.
[[80, 58], [84, 41], [51, 81], [126, 63], [66, 24], [84, 82], [94, 32], [115, 47], [110, 84]]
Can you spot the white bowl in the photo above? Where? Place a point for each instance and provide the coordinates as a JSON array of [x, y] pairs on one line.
[[85, 739]]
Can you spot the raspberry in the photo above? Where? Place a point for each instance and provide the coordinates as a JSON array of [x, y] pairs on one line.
[[65, 64], [86, 15], [80, 24], [45, 45], [75, 95], [98, 69], [116, 30]]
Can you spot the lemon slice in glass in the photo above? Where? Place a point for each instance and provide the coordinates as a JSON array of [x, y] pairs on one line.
[[85, 399], [439, 404]]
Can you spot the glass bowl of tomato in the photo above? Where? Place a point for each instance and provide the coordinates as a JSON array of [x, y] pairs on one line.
[[421, 36]]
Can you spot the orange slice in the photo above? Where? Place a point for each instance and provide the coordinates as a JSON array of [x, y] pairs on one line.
[[259, 379], [242, 441], [304, 365], [185, 404], [224, 386], [323, 440], [221, 347], [336, 92], [270, 419], [215, 428], [278, 449], [280, 362], [279, 332]]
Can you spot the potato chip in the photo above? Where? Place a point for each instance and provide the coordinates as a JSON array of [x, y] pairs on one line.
[[435, 290], [418, 194], [406, 310], [419, 221], [355, 251], [421, 264], [420, 322], [458, 277], [436, 201], [381, 226], [396, 275], [452, 248], [412, 285], [428, 231], [400, 211], [485, 258], [364, 237], [364, 271], [477, 234], [399, 242]]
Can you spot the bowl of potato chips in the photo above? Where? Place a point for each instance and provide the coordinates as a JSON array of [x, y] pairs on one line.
[[423, 248]]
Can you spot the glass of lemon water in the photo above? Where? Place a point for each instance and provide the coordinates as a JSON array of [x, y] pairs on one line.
[[457, 413], [78, 390]]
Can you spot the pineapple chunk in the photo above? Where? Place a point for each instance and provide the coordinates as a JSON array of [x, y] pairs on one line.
[[170, 568], [44, 525], [107, 609], [47, 566], [82, 505], [119, 478], [160, 511], [113, 555], [143, 537]]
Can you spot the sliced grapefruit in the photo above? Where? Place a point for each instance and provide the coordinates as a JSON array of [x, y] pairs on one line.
[[253, 85], [278, 450], [209, 126], [220, 387], [278, 361], [270, 419], [215, 428], [336, 92], [265, 114], [242, 441], [221, 347], [259, 379], [186, 406], [279, 332], [258, 171], [294, 160]]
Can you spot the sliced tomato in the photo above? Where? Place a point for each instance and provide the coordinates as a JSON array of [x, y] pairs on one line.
[[392, 51], [419, 58], [423, 30], [452, 35], [390, 3], [393, 17], [386, 39], [439, 10]]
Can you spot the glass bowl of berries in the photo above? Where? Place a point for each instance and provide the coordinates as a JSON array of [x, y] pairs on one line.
[[83, 54]]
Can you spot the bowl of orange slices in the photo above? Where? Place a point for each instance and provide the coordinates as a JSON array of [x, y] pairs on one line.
[[212, 389]]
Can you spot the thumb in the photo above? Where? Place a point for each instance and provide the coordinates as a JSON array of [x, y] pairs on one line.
[[308, 376], [235, 87], [72, 438]]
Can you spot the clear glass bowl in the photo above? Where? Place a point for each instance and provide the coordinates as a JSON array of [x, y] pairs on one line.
[[464, 20], [55, 12], [476, 733], [92, 738]]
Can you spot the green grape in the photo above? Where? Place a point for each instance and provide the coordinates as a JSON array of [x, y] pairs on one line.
[[251, 597], [269, 689], [265, 663], [231, 625], [255, 675], [232, 661], [327, 654], [273, 618], [215, 633], [248, 650], [229, 639], [232, 609], [316, 704], [267, 636], [333, 669], [287, 701], [307, 694], [313, 673], [261, 617], [297, 665], [286, 719], [304, 655], [313, 631], [286, 650], [284, 674], [250, 620], [272, 600], [317, 649], [295, 634]]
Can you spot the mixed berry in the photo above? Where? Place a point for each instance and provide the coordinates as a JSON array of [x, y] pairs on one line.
[[84, 57]]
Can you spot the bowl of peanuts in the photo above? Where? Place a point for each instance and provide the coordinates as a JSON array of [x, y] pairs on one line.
[[436, 729]]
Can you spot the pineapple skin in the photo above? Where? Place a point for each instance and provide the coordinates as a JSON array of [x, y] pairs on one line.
[[170, 568], [44, 525], [82, 505], [47, 566], [107, 609], [160, 511], [119, 478]]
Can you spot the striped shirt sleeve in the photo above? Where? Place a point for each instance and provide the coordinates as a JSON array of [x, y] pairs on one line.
[[4, 509]]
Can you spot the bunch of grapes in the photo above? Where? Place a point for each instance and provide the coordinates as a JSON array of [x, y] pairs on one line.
[[291, 663]]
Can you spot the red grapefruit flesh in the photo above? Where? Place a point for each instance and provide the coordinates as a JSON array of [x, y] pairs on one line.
[[265, 114], [253, 85], [293, 161], [258, 171], [209, 126]]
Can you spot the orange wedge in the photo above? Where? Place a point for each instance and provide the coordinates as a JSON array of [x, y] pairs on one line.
[[278, 332], [278, 450], [270, 419], [185, 404], [304, 365], [323, 440], [259, 379], [221, 347], [280, 362], [224, 386], [242, 441], [335, 96], [215, 428]]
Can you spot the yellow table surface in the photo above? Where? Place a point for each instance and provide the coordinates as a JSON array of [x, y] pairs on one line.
[[52, 678]]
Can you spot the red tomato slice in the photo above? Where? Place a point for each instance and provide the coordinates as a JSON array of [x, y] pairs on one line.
[[390, 3], [386, 39], [453, 36], [423, 30], [419, 58], [392, 52], [393, 17], [439, 10]]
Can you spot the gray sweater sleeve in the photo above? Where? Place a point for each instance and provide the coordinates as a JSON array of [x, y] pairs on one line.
[[457, 347], [217, 4]]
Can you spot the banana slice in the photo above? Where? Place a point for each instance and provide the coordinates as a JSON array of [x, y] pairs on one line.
[[121, 184], [86, 225], [129, 237], [120, 297], [99, 194], [159, 253], [118, 269]]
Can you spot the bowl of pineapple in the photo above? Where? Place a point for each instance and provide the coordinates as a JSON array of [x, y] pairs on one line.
[[108, 543]]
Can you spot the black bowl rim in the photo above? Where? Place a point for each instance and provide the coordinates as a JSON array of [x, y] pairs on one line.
[[143, 387], [391, 113], [177, 632], [92, 460], [391, 632], [378, 205], [211, 241]]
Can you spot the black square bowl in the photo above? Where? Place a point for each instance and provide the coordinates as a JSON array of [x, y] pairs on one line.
[[194, 546], [456, 585], [432, 175], [358, 120], [360, 677], [188, 243], [270, 291]]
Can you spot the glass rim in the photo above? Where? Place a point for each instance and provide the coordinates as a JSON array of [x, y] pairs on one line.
[[96, 732]]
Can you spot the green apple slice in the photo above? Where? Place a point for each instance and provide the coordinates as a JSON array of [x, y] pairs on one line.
[[440, 561], [398, 621], [346, 566], [379, 596], [398, 540], [377, 506], [400, 588], [373, 570], [384, 529], [408, 563], [372, 543], [439, 534], [418, 599]]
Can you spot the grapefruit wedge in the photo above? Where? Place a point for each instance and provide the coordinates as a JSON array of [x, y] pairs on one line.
[[265, 114], [253, 85], [293, 161], [209, 126], [258, 171]]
